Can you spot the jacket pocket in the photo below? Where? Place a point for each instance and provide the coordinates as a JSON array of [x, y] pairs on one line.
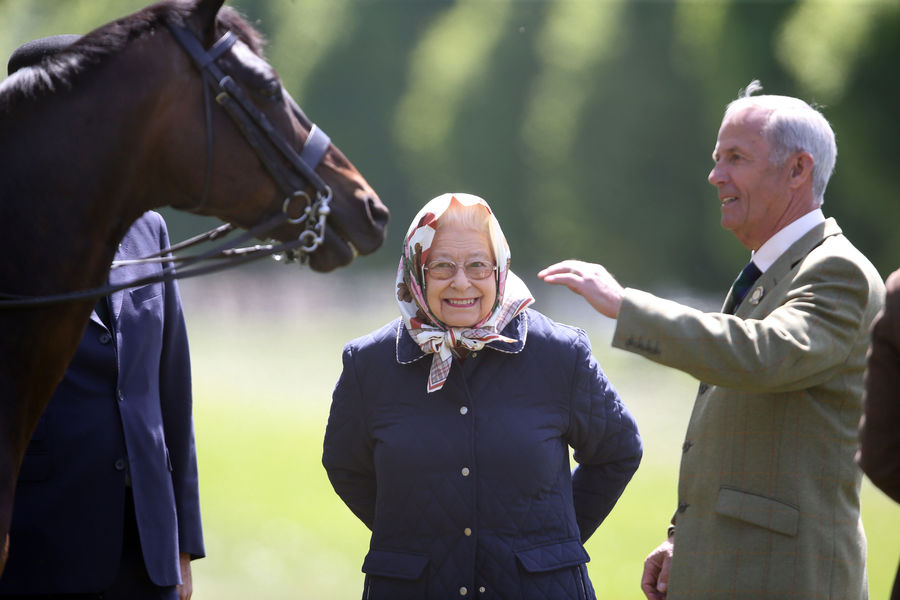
[[551, 557], [398, 565], [147, 292], [394, 576], [761, 511], [559, 566]]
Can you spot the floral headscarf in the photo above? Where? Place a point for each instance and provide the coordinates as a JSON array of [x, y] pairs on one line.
[[433, 336]]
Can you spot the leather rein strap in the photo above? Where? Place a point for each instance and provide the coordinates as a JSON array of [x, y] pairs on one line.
[[272, 150]]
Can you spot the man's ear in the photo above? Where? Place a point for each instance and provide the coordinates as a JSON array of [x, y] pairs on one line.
[[801, 168]]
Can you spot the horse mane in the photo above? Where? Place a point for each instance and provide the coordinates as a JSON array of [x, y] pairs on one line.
[[62, 70]]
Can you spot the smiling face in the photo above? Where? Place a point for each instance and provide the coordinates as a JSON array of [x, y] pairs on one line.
[[459, 301], [755, 195]]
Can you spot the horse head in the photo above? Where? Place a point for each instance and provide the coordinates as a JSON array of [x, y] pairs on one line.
[[240, 183]]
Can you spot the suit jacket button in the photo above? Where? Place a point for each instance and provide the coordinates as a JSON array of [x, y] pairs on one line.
[[105, 338], [683, 507], [120, 464], [686, 446]]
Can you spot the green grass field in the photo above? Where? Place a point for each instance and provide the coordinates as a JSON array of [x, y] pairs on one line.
[[274, 529]]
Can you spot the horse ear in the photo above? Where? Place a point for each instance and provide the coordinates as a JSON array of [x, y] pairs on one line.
[[204, 18]]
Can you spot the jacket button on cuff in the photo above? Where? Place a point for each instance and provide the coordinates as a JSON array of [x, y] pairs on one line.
[[465, 471], [463, 410], [463, 591], [467, 531]]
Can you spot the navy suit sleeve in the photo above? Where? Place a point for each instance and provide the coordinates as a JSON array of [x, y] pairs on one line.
[[176, 398], [347, 454], [606, 441]]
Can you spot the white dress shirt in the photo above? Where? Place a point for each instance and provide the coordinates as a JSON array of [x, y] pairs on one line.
[[778, 244]]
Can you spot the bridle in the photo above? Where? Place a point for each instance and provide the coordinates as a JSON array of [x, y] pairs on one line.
[[273, 151], [271, 147]]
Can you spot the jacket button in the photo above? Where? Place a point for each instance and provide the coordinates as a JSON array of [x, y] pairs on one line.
[[687, 446], [463, 591], [120, 464], [104, 338], [683, 507], [481, 590], [463, 410], [467, 531], [465, 471], [120, 395], [702, 389]]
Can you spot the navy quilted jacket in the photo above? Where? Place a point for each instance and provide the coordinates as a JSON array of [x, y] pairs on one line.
[[468, 490]]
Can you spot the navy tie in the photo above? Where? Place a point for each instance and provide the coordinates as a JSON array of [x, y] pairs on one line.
[[744, 282]]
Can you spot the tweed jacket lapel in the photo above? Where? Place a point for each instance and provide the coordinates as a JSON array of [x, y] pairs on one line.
[[755, 301]]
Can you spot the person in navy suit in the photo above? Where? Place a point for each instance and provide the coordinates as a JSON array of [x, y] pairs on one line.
[[107, 504]]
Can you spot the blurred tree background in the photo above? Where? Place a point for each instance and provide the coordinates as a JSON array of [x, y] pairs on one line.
[[587, 124]]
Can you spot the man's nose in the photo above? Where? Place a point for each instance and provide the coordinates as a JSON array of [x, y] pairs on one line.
[[716, 175]]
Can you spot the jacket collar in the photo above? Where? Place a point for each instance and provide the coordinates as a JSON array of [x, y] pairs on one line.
[[806, 244], [408, 351], [784, 263], [116, 276]]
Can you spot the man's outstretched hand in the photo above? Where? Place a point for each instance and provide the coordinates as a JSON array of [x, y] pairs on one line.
[[589, 280]]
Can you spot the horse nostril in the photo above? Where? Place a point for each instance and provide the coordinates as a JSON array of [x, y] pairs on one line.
[[378, 212]]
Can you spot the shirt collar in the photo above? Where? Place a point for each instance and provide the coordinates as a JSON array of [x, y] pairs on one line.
[[778, 244]]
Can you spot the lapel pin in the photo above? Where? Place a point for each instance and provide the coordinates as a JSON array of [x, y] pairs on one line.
[[757, 295]]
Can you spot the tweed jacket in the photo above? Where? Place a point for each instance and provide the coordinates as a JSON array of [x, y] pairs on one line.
[[768, 489], [121, 416], [468, 490]]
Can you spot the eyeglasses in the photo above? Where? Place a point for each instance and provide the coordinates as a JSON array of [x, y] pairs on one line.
[[445, 269]]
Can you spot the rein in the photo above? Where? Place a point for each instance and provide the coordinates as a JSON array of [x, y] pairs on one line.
[[272, 150]]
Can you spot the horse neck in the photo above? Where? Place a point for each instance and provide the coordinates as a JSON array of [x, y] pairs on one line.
[[61, 218], [82, 171]]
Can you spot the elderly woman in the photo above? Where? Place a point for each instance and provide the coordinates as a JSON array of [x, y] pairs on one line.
[[459, 463]]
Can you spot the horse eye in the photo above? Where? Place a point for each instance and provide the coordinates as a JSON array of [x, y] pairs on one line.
[[271, 91], [252, 72]]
